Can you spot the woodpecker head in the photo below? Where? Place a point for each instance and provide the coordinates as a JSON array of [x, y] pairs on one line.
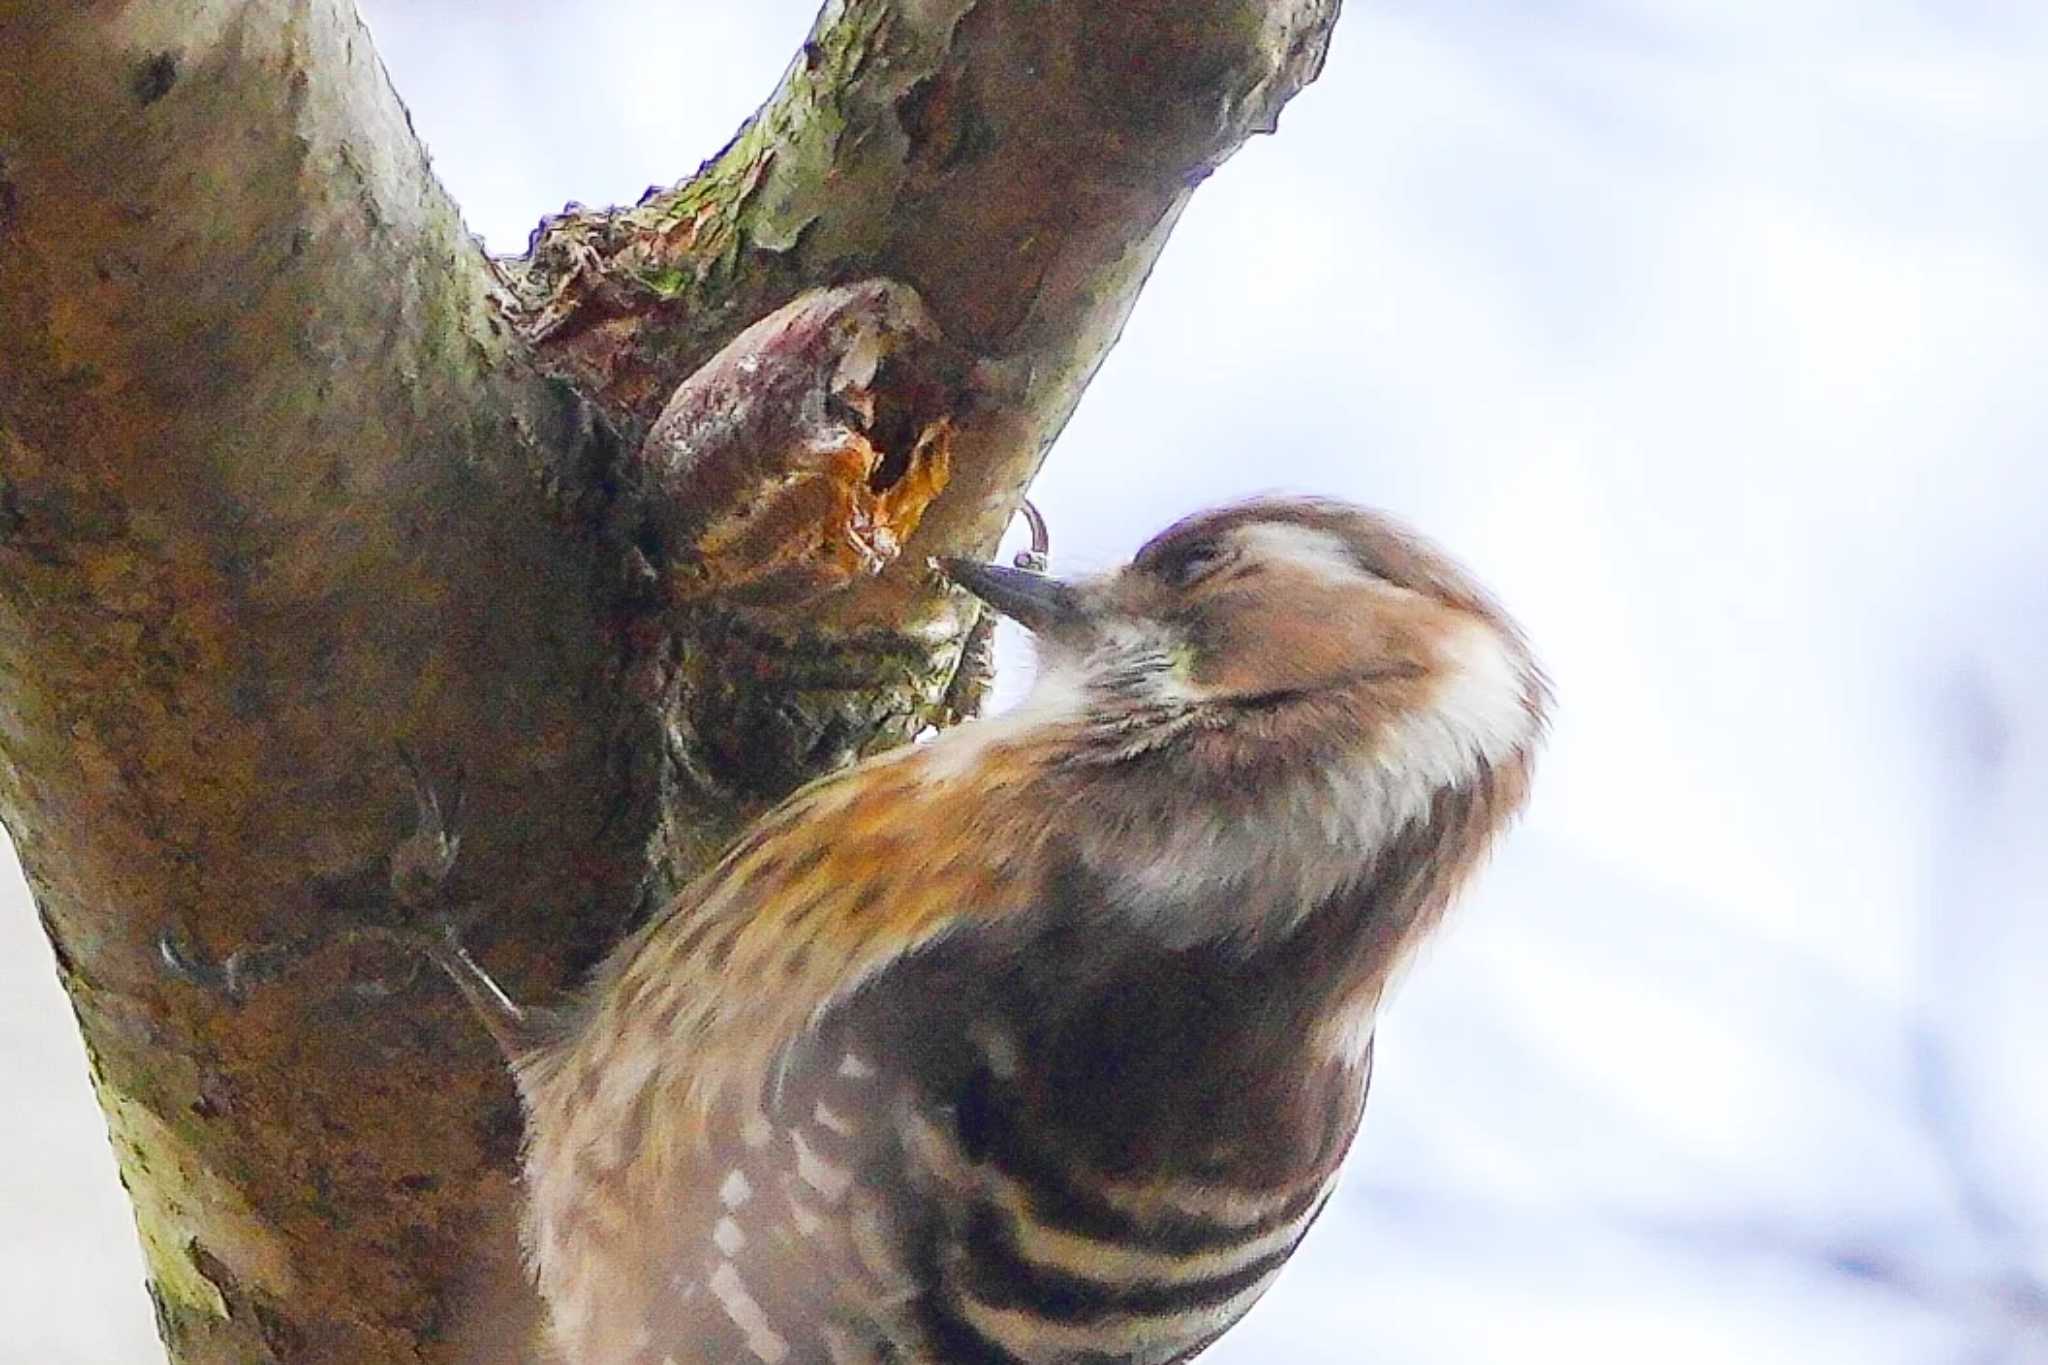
[[1272, 706], [1279, 620]]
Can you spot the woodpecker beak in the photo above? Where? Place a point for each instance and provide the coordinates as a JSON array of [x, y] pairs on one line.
[[1042, 605]]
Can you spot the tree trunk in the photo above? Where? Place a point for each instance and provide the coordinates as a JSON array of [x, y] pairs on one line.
[[293, 479]]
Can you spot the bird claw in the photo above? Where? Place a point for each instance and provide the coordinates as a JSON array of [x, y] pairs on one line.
[[1038, 558], [231, 976], [419, 869]]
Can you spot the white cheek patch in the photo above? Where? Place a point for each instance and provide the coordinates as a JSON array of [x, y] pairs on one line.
[[1487, 694], [1481, 711], [1314, 552]]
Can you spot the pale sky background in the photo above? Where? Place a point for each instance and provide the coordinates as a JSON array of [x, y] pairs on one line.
[[1713, 336]]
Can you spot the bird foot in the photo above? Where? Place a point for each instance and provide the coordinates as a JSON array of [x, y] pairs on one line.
[[417, 916]]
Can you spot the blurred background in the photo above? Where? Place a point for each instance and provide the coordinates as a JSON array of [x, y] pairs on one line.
[[1713, 337]]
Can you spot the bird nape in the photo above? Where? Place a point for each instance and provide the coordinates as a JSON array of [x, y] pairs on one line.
[[1043, 1041]]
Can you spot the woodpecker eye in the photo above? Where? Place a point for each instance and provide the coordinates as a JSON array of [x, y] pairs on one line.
[[1186, 564]]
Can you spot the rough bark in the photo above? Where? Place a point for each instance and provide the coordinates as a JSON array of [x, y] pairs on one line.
[[292, 477]]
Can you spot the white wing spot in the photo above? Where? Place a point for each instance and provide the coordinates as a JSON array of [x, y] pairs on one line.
[[728, 1237], [762, 1339], [854, 1069], [736, 1190], [830, 1121], [825, 1177], [807, 1221]]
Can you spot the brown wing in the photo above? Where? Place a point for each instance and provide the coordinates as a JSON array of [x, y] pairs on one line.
[[1030, 1166], [1040, 1139], [783, 1248]]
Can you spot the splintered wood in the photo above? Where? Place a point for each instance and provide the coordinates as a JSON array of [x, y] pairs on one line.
[[801, 457]]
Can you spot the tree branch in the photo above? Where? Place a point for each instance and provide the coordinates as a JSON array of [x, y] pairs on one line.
[[291, 476]]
